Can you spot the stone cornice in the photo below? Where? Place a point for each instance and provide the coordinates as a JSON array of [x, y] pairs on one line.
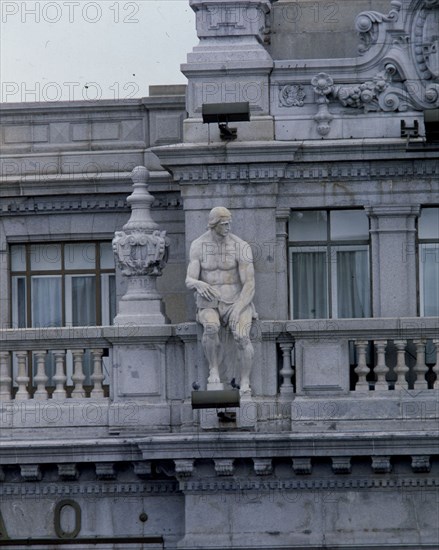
[[88, 490], [101, 106], [56, 205], [364, 159], [317, 484], [289, 445], [42, 185], [378, 449], [187, 154], [393, 210], [363, 171]]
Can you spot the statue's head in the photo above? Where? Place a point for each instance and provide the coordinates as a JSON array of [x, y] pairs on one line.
[[217, 215]]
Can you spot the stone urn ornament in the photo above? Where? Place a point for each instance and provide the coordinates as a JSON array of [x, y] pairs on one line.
[[141, 252]]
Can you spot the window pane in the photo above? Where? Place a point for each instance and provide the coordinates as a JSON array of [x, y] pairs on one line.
[[108, 295], [353, 294], [107, 256], [45, 257], [83, 301], [46, 302], [18, 257], [309, 270], [19, 302], [112, 298], [349, 225], [80, 256], [430, 278], [308, 225], [429, 223]]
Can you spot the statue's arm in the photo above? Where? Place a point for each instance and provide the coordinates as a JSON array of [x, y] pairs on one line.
[[193, 281], [247, 275], [194, 268]]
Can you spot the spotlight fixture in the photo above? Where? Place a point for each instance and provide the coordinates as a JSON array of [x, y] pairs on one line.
[[215, 399], [223, 113]]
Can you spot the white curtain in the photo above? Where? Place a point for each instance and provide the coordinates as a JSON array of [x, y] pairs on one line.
[[83, 301], [46, 302], [430, 279], [310, 299], [353, 294], [46, 312]]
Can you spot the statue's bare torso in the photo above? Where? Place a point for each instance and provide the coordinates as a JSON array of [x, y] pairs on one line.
[[219, 264]]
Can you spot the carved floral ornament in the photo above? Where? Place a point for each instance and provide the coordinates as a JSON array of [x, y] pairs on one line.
[[291, 95]]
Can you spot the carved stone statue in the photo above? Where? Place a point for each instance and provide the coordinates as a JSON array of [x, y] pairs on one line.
[[221, 272]]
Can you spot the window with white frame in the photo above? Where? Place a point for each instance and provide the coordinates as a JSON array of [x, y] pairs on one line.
[[428, 237], [329, 264]]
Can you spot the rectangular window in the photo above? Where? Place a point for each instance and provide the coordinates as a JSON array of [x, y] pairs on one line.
[[329, 264], [428, 236], [69, 284]]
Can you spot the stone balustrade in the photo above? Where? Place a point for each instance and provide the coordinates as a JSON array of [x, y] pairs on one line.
[[53, 363], [31, 381], [396, 364], [341, 357]]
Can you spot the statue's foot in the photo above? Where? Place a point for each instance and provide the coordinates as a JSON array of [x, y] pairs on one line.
[[214, 377], [245, 389]]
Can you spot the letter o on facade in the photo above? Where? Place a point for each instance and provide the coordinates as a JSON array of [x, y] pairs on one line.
[[64, 511]]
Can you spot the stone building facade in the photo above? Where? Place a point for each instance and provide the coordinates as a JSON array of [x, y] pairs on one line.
[[334, 183]]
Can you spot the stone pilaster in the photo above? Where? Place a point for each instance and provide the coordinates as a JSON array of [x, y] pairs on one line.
[[393, 254]]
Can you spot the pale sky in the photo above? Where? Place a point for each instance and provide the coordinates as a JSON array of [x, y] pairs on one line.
[[53, 50]]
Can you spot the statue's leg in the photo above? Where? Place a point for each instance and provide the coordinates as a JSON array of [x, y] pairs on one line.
[[246, 352], [209, 318]]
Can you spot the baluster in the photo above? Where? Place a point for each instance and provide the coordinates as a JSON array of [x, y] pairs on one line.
[[60, 377], [287, 387], [381, 368], [5, 376], [97, 376], [41, 379], [420, 368], [436, 366], [78, 376], [401, 368], [22, 376], [362, 370]]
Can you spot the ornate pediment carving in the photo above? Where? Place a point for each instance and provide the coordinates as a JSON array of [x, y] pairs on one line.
[[404, 46], [426, 41], [368, 23]]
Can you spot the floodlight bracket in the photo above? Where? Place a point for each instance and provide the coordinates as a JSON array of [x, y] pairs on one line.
[[215, 399], [223, 113]]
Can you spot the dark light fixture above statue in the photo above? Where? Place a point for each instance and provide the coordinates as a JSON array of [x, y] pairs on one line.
[[223, 113]]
